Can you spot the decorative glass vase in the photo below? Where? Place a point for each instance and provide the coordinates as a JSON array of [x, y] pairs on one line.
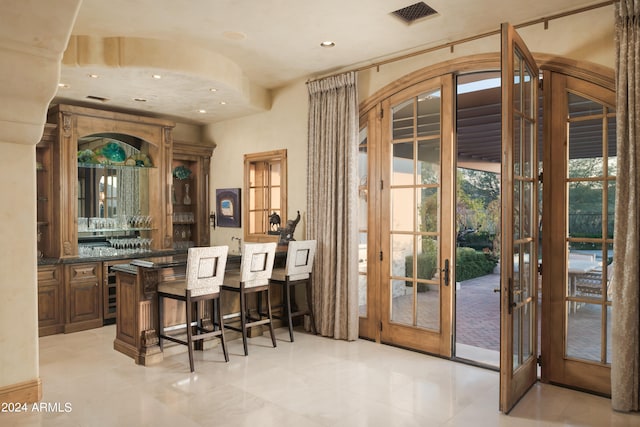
[[187, 198]]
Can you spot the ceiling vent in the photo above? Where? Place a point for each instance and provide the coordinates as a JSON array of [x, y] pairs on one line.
[[413, 13]]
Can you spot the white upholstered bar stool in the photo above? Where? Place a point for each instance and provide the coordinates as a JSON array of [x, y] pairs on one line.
[[297, 271], [205, 274], [255, 270]]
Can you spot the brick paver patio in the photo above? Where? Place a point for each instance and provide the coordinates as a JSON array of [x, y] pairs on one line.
[[478, 317]]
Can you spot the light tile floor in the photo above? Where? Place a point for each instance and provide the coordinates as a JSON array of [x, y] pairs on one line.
[[312, 382]]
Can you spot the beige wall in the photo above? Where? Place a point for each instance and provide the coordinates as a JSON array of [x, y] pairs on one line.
[[187, 133], [284, 126], [29, 70], [588, 36], [18, 315]]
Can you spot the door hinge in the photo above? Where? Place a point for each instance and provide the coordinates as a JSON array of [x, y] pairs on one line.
[[540, 269], [380, 255], [541, 84], [540, 178], [381, 113], [381, 184], [539, 360], [381, 326]]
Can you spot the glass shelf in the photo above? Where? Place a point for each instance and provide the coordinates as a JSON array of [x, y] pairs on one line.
[[112, 230], [112, 166]]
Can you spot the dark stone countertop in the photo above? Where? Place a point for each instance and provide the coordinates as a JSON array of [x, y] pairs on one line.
[[76, 260]]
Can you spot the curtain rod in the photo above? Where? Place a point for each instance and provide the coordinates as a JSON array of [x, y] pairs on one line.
[[452, 44]]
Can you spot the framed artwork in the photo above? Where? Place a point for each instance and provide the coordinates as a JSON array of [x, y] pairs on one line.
[[228, 207]]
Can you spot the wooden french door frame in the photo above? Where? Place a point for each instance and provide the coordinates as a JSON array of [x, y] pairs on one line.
[[435, 341], [518, 266], [369, 323], [373, 116], [557, 366]]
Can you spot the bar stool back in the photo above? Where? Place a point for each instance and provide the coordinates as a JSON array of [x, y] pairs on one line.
[[255, 270], [204, 276], [300, 255]]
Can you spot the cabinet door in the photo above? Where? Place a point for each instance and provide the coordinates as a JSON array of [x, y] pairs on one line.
[[50, 301], [190, 195], [84, 296]]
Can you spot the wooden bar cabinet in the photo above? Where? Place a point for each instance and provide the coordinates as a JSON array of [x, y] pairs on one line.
[[107, 192]]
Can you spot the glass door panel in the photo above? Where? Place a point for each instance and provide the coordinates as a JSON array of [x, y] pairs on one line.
[[580, 236], [416, 308], [519, 220]]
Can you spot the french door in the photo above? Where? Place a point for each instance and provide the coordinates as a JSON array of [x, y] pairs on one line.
[[417, 236], [580, 164], [519, 256], [407, 211]]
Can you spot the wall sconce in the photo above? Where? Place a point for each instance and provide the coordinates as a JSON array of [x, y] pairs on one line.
[[212, 220]]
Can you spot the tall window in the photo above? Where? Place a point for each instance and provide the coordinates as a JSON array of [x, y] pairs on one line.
[[265, 189]]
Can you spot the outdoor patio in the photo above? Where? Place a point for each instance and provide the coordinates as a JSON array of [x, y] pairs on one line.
[[477, 318]]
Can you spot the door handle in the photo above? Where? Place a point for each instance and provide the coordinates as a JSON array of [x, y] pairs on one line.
[[446, 272]]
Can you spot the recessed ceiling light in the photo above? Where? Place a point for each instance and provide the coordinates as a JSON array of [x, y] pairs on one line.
[[156, 76], [140, 99], [213, 89], [63, 85], [327, 43], [223, 103], [202, 111], [93, 76]]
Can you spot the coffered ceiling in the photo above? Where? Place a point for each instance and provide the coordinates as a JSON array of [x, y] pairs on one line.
[[218, 59]]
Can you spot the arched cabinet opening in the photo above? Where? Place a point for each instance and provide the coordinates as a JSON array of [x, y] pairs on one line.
[[113, 195], [114, 174]]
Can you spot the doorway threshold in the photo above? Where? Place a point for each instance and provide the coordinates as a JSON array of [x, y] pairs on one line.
[[477, 356]]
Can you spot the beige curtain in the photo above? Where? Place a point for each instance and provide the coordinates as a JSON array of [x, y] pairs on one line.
[[332, 203], [625, 375]]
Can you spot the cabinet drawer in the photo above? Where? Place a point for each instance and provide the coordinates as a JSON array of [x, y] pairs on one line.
[[83, 272], [48, 273]]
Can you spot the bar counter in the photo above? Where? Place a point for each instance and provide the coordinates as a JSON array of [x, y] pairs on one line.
[[137, 309]]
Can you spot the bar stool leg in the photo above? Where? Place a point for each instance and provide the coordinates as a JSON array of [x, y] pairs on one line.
[[287, 304], [310, 307], [221, 324], [273, 336], [189, 304], [160, 322], [243, 320]]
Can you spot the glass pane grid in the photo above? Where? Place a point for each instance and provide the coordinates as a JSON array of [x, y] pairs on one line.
[[590, 211], [415, 211], [524, 213]]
